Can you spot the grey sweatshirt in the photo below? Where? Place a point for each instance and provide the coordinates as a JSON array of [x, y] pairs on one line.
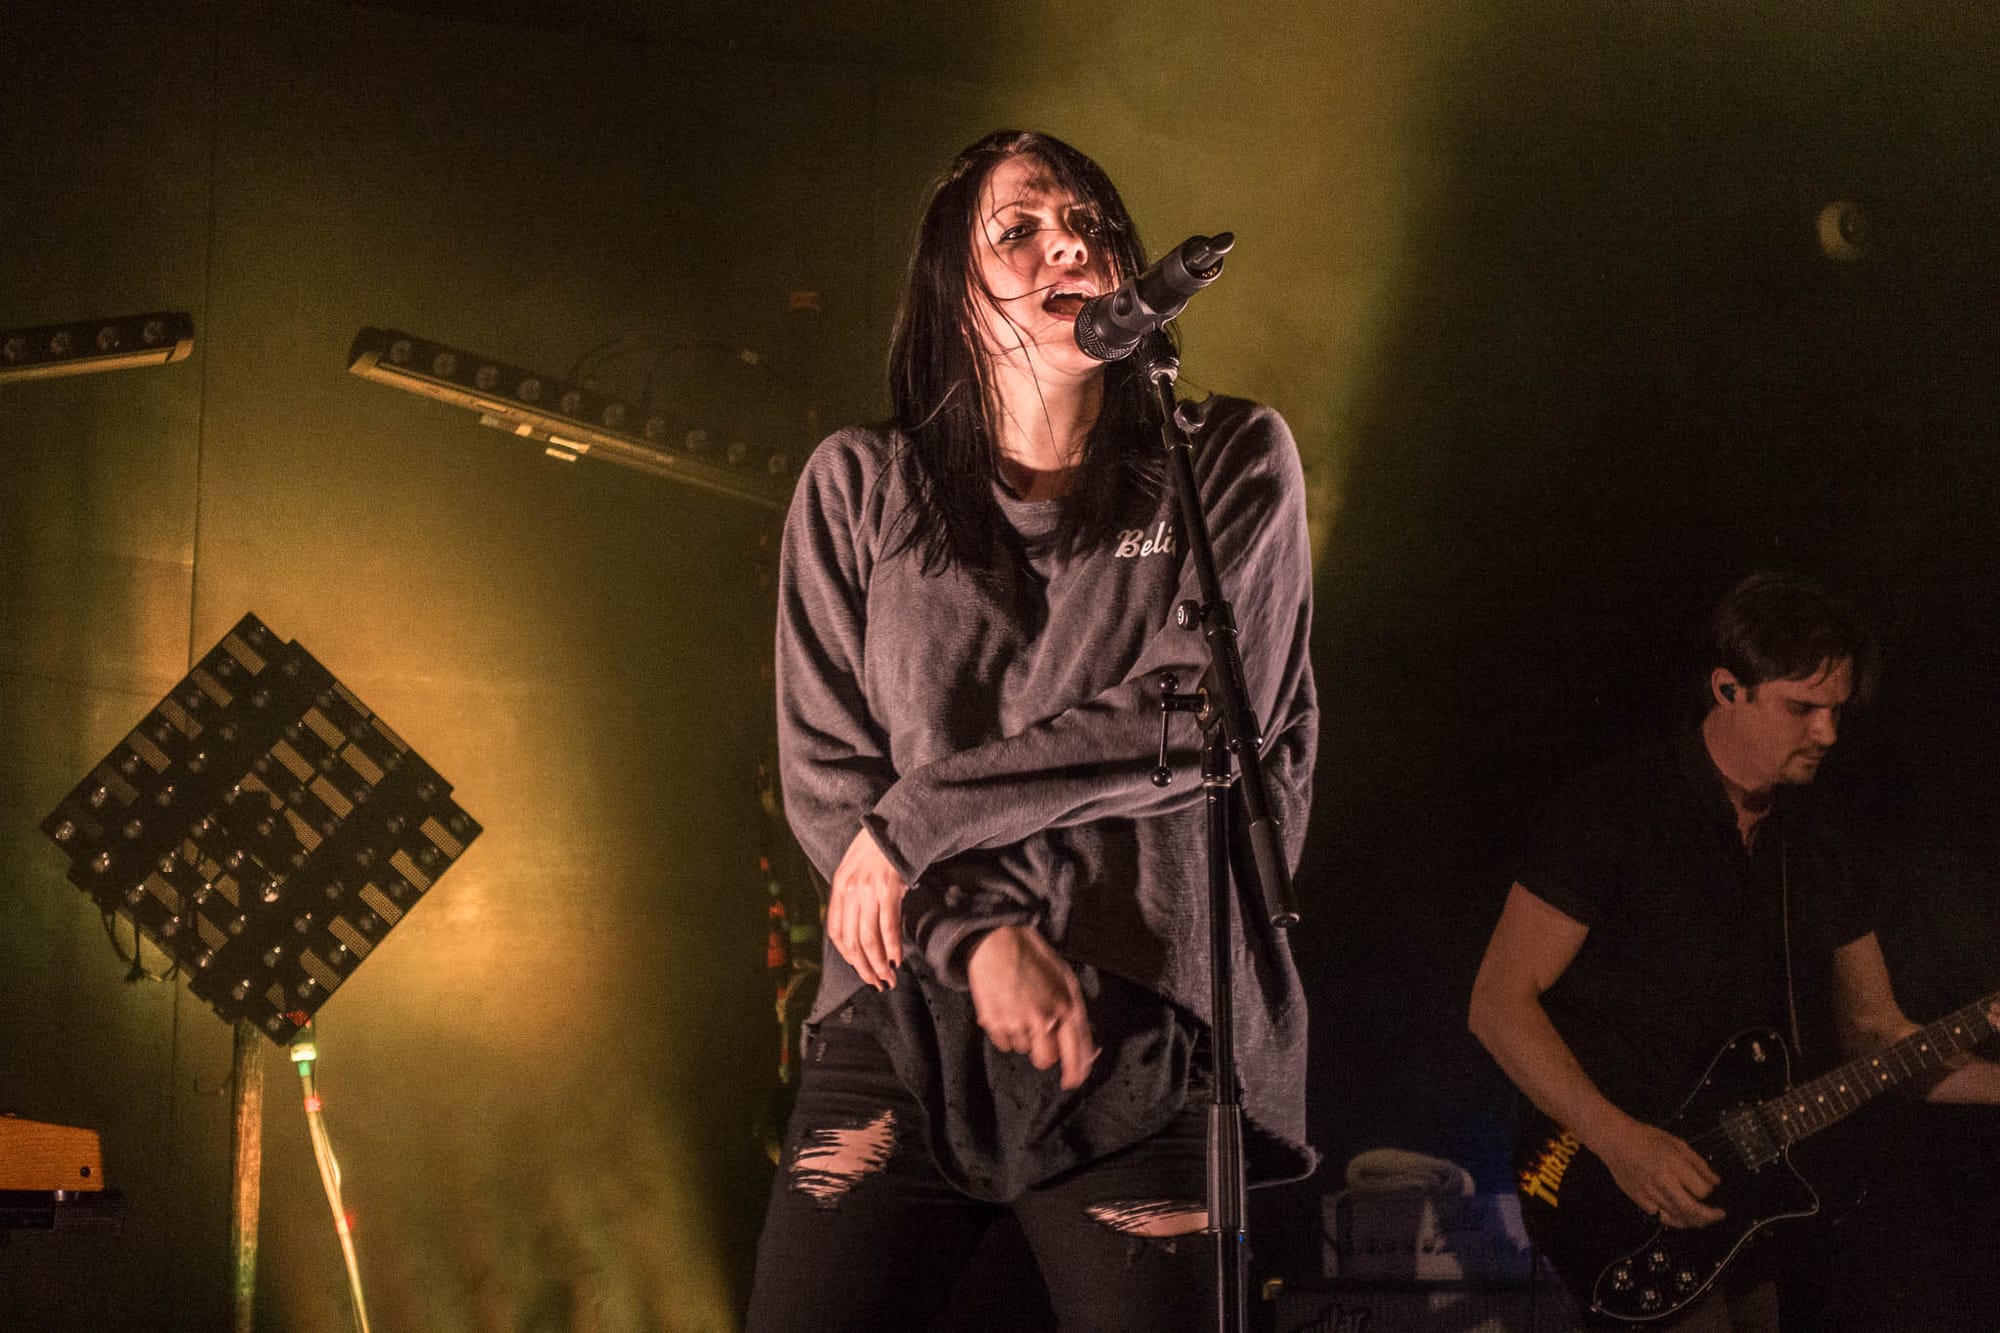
[[1002, 761]]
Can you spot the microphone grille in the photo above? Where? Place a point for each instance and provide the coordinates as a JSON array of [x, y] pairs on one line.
[[1093, 342]]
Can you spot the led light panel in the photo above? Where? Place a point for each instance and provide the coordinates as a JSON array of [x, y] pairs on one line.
[[264, 828]]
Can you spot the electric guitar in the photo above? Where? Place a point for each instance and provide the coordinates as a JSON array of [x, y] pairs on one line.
[[1743, 1117]]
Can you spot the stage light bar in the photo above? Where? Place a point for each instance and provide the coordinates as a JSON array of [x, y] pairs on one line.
[[264, 828], [48, 350], [571, 420]]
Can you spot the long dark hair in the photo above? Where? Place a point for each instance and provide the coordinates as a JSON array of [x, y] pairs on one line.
[[936, 372]]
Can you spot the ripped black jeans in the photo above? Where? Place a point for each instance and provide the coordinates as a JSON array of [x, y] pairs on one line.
[[863, 1233]]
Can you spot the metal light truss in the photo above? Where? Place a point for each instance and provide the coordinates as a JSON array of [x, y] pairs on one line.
[[571, 419], [263, 827], [95, 344]]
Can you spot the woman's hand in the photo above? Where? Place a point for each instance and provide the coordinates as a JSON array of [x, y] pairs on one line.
[[864, 911], [1028, 1002]]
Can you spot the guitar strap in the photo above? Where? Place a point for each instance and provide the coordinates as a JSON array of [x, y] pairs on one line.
[[1785, 929]]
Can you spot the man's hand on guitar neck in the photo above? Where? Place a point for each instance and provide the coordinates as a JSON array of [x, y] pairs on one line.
[[1660, 1173], [1974, 1079], [1870, 1018]]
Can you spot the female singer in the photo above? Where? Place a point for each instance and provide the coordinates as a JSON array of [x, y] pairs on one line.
[[976, 603]]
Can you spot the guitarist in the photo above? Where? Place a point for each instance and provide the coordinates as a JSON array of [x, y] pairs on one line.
[[1682, 893]]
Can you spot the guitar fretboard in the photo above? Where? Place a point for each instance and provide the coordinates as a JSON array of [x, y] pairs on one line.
[[1811, 1107]]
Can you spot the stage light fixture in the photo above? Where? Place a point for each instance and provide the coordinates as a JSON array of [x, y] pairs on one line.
[[573, 420], [264, 828], [88, 345]]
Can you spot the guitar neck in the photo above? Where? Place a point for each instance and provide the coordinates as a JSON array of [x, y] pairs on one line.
[[1811, 1107]]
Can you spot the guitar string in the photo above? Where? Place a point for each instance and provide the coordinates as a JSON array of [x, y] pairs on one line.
[[1938, 1035]]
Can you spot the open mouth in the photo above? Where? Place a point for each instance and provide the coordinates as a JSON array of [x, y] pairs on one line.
[[1065, 302]]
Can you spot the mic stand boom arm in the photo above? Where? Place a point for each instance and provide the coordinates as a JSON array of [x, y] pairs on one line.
[[1217, 621]]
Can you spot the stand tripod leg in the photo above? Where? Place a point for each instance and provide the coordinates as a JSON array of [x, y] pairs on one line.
[[247, 1154]]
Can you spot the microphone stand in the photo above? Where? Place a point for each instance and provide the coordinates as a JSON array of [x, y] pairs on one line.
[[1229, 728]]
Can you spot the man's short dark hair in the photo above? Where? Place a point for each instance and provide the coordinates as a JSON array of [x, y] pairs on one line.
[[1778, 626]]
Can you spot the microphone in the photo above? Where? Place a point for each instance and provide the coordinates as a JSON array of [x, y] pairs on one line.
[[1108, 327]]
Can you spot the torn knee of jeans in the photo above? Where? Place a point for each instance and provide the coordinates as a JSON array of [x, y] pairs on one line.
[[832, 1160], [1157, 1219]]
